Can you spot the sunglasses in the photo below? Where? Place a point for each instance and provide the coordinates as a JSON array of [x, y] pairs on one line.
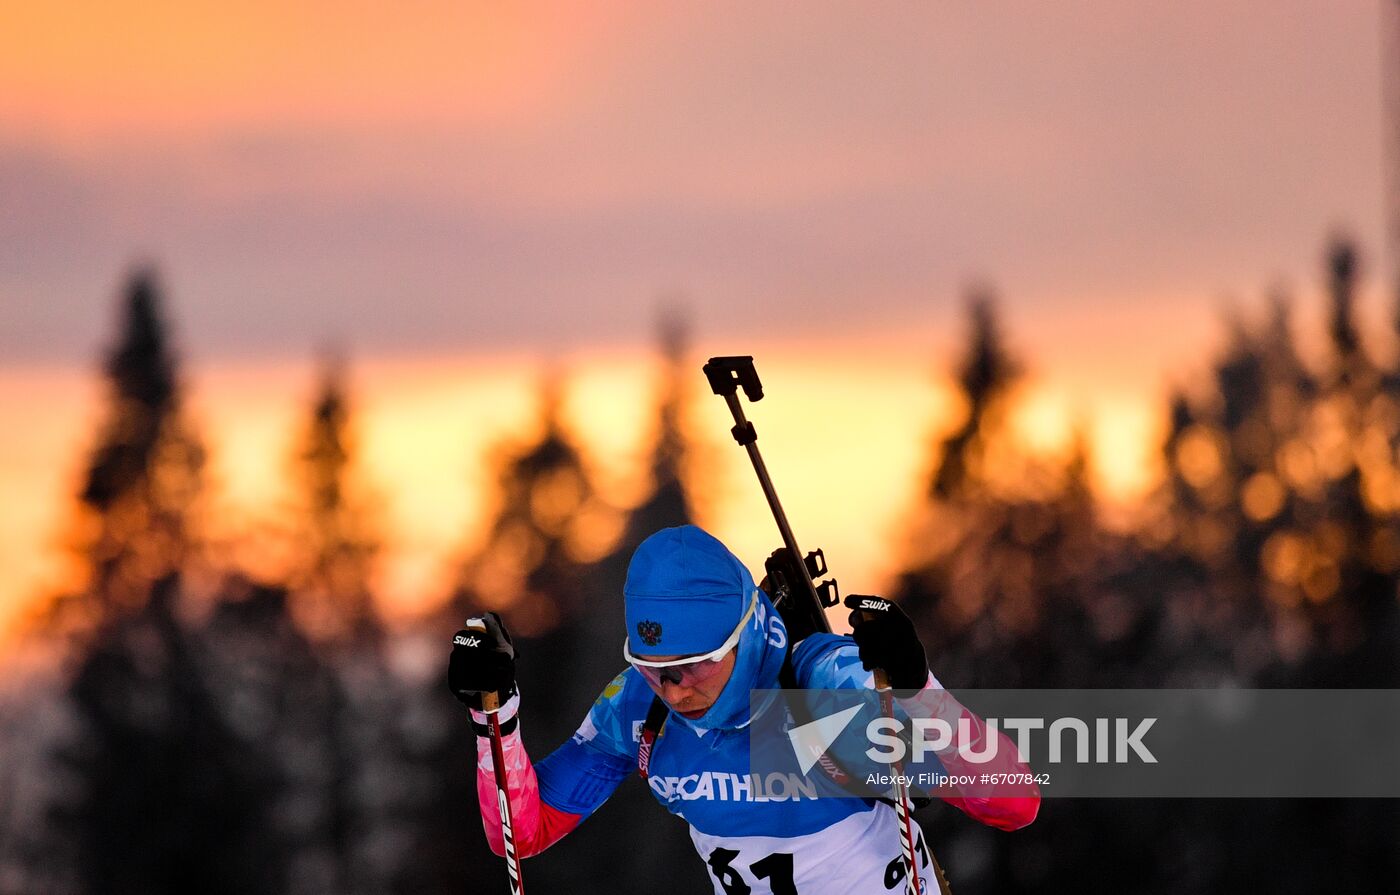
[[689, 670]]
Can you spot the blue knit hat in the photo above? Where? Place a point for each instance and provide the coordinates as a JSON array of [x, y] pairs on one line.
[[685, 594]]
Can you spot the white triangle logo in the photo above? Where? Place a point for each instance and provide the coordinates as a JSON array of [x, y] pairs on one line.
[[811, 740]]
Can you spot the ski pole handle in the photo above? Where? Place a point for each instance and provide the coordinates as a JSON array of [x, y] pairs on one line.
[[882, 680], [901, 792], [491, 705]]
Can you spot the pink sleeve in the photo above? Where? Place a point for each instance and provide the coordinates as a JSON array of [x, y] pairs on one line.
[[537, 825], [1014, 805]]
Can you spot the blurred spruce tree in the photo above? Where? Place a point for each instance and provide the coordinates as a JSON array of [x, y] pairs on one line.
[[1001, 552], [364, 786], [1282, 528], [338, 544], [1350, 593], [145, 473], [163, 796], [667, 504], [548, 528], [532, 567], [543, 532], [539, 548], [632, 841], [280, 698], [1013, 583], [985, 378], [1281, 500]]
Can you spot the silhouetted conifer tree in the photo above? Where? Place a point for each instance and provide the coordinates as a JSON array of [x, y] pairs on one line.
[[1349, 356], [985, 378], [363, 758], [1000, 549], [534, 553], [533, 567], [166, 798], [162, 795], [1236, 459], [1283, 503], [1014, 584], [603, 848], [1349, 591], [279, 696], [332, 587], [146, 468], [1280, 572], [667, 504]]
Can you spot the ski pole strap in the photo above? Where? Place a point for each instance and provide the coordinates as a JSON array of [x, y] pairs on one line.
[[651, 729], [507, 727]]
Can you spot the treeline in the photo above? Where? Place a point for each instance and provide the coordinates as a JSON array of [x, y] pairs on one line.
[[214, 732], [1266, 558]]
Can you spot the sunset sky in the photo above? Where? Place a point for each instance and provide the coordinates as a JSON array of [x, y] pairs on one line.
[[455, 192]]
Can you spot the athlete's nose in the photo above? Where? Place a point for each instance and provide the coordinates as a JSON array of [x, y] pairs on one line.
[[674, 693]]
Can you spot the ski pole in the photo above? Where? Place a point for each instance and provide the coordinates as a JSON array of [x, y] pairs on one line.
[[901, 792], [491, 705]]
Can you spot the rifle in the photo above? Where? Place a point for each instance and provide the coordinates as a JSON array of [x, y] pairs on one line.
[[791, 580]]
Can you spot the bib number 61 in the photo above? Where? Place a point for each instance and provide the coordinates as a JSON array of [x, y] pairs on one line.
[[776, 868]]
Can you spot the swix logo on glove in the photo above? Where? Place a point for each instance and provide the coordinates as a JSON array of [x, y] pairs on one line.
[[463, 640], [876, 605]]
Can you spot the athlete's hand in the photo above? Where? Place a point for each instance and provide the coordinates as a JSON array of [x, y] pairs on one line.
[[888, 641], [483, 661]]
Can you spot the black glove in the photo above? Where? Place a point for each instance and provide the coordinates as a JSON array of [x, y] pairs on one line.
[[888, 641], [482, 662]]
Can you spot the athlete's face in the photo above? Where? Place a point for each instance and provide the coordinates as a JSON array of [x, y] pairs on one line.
[[693, 699]]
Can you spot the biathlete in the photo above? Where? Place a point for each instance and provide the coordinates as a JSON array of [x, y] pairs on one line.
[[701, 636]]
